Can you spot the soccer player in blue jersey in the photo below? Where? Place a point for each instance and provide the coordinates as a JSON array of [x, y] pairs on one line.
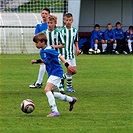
[[54, 69], [39, 28], [97, 38], [119, 35], [129, 38], [110, 39], [70, 35]]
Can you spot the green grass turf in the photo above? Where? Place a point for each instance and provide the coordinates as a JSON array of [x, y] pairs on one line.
[[103, 87]]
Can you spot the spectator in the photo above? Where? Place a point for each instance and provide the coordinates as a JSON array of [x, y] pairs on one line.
[[119, 35], [110, 40], [97, 38], [129, 38]]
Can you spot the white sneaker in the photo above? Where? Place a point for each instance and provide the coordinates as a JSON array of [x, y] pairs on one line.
[[124, 52], [34, 85], [116, 52]]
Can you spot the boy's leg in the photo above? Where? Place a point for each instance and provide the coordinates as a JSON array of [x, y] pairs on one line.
[[51, 83], [69, 87], [130, 46], [38, 83], [61, 87], [104, 47], [114, 47], [66, 98], [124, 46]]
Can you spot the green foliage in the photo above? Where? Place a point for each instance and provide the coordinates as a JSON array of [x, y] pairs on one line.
[[37, 5], [103, 87]]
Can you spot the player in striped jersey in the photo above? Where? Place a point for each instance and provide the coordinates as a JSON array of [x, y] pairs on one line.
[[70, 35], [55, 39]]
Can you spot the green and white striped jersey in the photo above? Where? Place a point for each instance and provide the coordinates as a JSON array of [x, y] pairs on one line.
[[70, 37], [54, 38]]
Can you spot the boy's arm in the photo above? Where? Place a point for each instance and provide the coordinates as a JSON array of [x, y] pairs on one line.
[[36, 30], [61, 41], [57, 46], [37, 61], [106, 35], [77, 48]]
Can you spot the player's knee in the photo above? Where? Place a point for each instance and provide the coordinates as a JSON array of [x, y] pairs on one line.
[[96, 41], [46, 90], [74, 72]]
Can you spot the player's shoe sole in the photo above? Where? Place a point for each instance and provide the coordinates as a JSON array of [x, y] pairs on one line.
[[53, 114]]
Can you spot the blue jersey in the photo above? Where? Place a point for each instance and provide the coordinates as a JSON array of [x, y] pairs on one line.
[[128, 35], [96, 35], [50, 58], [119, 34], [40, 27], [109, 34]]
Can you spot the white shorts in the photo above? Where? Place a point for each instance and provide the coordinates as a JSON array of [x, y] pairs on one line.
[[72, 61], [54, 80]]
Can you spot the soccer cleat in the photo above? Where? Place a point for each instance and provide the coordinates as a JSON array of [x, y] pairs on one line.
[[72, 103], [116, 52], [34, 85], [124, 52], [70, 89], [62, 92], [53, 114]]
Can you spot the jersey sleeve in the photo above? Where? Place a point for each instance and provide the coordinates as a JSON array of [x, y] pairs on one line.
[[36, 30], [106, 35], [76, 37], [113, 34]]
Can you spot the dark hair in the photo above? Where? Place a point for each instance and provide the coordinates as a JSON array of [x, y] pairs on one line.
[[117, 23], [96, 25], [109, 24], [130, 27], [46, 9], [40, 37], [68, 15]]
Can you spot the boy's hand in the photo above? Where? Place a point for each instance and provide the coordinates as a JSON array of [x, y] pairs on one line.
[[72, 69], [111, 40], [33, 61], [78, 52], [53, 46]]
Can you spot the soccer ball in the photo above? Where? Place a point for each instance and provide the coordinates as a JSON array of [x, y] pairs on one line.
[[98, 51], [90, 51], [27, 106]]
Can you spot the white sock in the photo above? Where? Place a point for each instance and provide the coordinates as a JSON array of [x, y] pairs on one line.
[[63, 97], [95, 45], [104, 46], [129, 45], [41, 73], [69, 81], [114, 46], [51, 101]]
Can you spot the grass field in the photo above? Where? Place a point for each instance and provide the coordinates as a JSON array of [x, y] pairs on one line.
[[103, 87]]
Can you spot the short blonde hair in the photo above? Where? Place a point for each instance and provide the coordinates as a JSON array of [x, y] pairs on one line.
[[52, 17]]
